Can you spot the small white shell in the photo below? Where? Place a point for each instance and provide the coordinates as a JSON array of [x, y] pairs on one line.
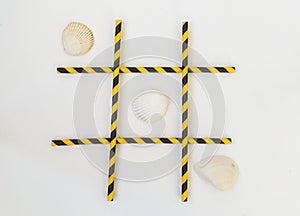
[[150, 106], [220, 170], [77, 39]]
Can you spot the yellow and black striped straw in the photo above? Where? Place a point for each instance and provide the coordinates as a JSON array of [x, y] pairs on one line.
[[140, 140], [114, 115], [184, 125], [141, 69]]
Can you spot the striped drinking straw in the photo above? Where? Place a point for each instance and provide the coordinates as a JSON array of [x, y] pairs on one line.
[[114, 115], [184, 151]]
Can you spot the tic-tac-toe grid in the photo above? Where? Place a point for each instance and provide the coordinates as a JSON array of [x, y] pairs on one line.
[[115, 139]]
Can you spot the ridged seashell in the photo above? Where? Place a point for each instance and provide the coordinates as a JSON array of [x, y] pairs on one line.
[[150, 106], [77, 39], [220, 170]]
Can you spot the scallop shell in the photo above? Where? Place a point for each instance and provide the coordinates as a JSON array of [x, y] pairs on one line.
[[220, 170], [77, 39], [150, 106]]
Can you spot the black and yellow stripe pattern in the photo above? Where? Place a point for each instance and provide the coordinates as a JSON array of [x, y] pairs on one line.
[[150, 69], [139, 140], [139, 69], [225, 69], [80, 70], [81, 141], [114, 115], [184, 125], [225, 141]]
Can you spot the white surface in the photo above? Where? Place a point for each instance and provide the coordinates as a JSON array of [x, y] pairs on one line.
[[261, 38]]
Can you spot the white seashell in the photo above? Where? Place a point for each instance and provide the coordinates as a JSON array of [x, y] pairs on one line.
[[150, 106], [220, 170], [77, 39]]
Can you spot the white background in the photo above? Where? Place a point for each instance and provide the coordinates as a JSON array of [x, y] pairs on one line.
[[261, 38]]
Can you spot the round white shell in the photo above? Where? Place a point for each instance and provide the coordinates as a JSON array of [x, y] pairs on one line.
[[77, 39], [220, 170], [150, 106]]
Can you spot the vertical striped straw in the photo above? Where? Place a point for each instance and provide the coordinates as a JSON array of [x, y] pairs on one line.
[[184, 156], [114, 115]]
